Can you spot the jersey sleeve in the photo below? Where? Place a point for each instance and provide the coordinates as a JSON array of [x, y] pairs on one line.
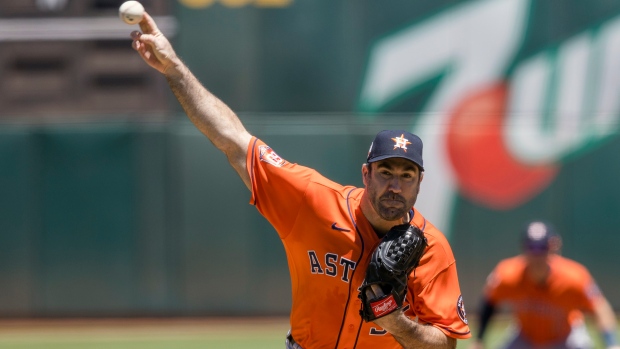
[[278, 186], [497, 288], [592, 294], [438, 300], [587, 292]]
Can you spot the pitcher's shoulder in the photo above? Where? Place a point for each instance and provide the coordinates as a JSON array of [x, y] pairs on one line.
[[431, 232], [439, 249]]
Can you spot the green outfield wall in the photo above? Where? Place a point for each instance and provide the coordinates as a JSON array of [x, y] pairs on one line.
[[122, 219]]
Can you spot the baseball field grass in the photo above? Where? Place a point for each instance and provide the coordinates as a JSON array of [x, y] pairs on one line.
[[226, 333]]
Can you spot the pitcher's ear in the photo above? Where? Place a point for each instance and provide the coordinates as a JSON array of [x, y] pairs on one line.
[[365, 173]]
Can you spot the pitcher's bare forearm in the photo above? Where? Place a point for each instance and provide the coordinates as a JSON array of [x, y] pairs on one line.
[[411, 334], [212, 117]]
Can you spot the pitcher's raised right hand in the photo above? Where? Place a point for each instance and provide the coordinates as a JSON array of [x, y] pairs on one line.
[[154, 47]]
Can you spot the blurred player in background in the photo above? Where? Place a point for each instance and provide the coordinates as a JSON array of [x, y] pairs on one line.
[[547, 294], [329, 230]]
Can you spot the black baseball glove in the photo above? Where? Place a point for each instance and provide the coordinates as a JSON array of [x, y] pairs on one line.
[[398, 253]]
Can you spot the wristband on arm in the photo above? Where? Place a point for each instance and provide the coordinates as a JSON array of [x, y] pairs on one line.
[[487, 309]]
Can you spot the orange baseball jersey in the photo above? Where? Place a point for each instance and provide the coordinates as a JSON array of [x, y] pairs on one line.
[[544, 311], [328, 244]]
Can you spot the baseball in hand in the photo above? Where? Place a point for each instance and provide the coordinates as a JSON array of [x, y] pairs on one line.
[[131, 12]]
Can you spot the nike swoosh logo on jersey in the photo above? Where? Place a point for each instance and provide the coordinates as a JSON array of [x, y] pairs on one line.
[[336, 227]]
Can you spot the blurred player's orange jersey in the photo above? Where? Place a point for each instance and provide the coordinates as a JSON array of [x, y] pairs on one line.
[[328, 243], [545, 311]]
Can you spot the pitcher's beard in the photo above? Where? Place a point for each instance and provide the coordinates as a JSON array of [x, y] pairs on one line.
[[392, 213]]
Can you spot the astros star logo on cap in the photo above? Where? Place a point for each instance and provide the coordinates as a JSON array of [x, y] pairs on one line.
[[393, 144], [401, 142]]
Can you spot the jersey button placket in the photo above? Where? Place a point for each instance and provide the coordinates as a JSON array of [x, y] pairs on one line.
[[350, 330]]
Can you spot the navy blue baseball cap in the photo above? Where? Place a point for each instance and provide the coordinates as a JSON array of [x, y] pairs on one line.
[[537, 236], [396, 144]]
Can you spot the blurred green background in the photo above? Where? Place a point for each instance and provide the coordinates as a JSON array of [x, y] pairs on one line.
[[113, 205]]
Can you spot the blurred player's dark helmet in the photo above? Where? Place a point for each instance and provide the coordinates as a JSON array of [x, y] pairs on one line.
[[538, 236]]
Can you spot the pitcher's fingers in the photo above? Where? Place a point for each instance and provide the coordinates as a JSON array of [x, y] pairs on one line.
[[146, 39], [374, 292], [370, 294], [377, 290], [140, 47], [147, 24], [137, 43]]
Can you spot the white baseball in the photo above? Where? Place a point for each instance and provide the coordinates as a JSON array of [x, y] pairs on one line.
[[131, 12]]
